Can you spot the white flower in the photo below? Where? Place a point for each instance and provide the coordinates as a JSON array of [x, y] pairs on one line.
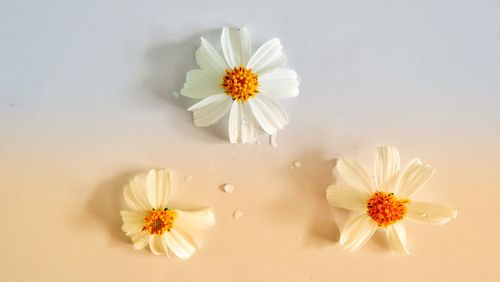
[[383, 201], [246, 85], [151, 221]]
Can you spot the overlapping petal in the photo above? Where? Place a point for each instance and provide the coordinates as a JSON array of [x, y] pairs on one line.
[[346, 197], [236, 46], [269, 114], [386, 166], [269, 54], [209, 59], [201, 84], [413, 178], [242, 124], [181, 246], [279, 83], [357, 231], [158, 188], [210, 110], [396, 236], [355, 173]]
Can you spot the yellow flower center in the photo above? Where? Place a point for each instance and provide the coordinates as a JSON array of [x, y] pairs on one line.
[[240, 83], [386, 209], [157, 222]]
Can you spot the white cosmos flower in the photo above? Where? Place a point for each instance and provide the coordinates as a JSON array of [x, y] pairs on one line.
[[383, 201], [242, 83], [151, 221]]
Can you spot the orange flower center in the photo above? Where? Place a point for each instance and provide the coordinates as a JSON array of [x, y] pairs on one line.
[[157, 222], [386, 209], [240, 83]]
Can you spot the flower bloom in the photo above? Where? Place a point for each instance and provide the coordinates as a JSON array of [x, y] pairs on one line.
[[244, 84], [151, 221], [383, 201]]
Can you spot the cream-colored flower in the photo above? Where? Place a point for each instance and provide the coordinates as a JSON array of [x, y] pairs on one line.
[[242, 83], [383, 201], [151, 221]]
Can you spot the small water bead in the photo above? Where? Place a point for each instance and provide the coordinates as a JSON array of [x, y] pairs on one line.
[[237, 214], [228, 188]]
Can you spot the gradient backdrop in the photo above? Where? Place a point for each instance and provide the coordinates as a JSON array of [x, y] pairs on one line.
[[85, 103]]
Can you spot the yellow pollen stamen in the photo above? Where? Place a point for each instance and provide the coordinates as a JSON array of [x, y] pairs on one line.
[[386, 209], [240, 83], [159, 221]]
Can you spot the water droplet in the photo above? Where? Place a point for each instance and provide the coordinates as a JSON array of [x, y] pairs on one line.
[[272, 140], [176, 94], [424, 215], [188, 178], [237, 214], [297, 164], [228, 188]]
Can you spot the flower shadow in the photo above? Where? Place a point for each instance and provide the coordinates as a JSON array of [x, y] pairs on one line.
[[323, 229], [380, 244], [309, 182], [167, 63], [106, 203]]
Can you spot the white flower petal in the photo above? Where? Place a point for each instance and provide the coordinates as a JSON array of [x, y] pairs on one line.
[[248, 124], [195, 220], [270, 53], [156, 245], [387, 163], [431, 212], [234, 122], [140, 240], [163, 188], [135, 195], [214, 99], [357, 231], [201, 84], [236, 46], [132, 228], [135, 199], [184, 239], [241, 124], [182, 247], [133, 216], [158, 188], [210, 110], [345, 197], [413, 178], [396, 236], [268, 113], [209, 60], [355, 173], [131, 200], [279, 83], [277, 63], [151, 189]]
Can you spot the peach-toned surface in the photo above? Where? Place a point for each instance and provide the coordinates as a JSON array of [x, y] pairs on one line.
[[85, 104]]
